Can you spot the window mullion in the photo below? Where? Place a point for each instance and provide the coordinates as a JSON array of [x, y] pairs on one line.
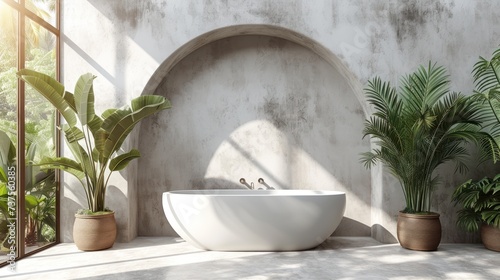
[[21, 144], [58, 122]]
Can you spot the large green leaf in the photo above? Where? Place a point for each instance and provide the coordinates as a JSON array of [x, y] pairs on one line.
[[52, 90], [31, 201], [73, 134], [7, 149], [3, 176], [86, 164], [108, 112], [64, 164], [155, 102], [3, 191], [100, 140], [70, 99], [120, 123], [480, 201], [30, 173], [7, 155], [84, 98], [95, 125], [4, 198], [121, 161]]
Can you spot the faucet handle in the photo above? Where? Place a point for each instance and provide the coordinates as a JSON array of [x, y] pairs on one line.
[[244, 182], [261, 181]]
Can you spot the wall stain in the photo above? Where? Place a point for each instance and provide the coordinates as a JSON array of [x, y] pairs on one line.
[[409, 17], [273, 12], [131, 12], [273, 110], [290, 114], [126, 14], [335, 14], [277, 43], [270, 14], [212, 10], [359, 111]]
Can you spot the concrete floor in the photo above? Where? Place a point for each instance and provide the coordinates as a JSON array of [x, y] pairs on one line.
[[337, 258]]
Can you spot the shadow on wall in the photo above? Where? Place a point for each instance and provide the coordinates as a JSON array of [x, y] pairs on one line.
[[350, 227], [68, 217], [119, 204], [215, 183], [381, 233]]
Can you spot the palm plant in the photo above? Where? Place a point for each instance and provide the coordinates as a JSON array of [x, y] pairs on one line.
[[487, 94], [481, 199], [94, 141], [417, 129]]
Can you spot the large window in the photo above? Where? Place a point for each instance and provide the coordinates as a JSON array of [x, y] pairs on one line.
[[29, 38]]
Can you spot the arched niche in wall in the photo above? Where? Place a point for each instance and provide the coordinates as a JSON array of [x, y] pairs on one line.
[[255, 29], [254, 101]]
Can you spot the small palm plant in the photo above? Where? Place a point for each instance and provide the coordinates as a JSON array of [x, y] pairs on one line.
[[417, 129], [95, 141]]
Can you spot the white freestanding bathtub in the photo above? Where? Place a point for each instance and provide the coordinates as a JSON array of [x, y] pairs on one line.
[[254, 220]]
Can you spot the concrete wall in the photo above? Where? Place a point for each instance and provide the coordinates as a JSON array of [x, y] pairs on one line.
[[287, 107]]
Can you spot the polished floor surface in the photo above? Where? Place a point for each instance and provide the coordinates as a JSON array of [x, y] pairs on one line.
[[337, 258]]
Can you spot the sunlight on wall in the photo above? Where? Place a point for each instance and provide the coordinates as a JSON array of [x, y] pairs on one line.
[[255, 150], [258, 149]]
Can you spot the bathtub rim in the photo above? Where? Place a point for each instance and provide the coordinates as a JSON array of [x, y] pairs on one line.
[[246, 192]]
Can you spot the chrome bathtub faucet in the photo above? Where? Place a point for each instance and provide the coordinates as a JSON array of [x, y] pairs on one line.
[[251, 186], [261, 181], [244, 182]]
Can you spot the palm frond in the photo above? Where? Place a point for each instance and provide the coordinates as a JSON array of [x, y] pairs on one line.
[[486, 75], [384, 98]]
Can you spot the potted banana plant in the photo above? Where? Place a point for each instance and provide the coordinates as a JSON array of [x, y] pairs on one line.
[[95, 143], [414, 131]]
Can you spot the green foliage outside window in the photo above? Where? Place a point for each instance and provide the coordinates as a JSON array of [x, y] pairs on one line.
[[40, 55]]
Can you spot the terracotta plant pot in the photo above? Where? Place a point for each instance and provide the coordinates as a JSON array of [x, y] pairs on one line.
[[94, 232], [421, 232], [490, 236]]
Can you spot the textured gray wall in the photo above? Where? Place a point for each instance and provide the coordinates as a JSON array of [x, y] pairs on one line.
[[305, 95]]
